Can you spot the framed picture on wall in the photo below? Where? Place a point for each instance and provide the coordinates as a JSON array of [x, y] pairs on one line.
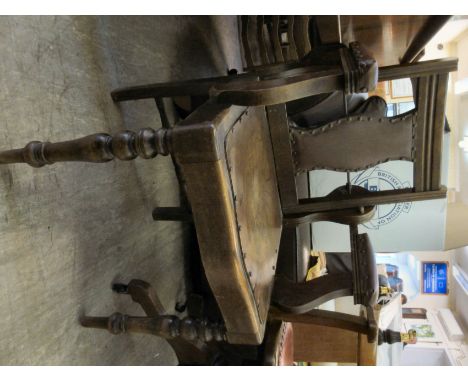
[[415, 313], [434, 277], [425, 330], [401, 88]]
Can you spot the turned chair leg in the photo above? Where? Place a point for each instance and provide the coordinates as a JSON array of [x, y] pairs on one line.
[[143, 294], [95, 148], [165, 326], [193, 341]]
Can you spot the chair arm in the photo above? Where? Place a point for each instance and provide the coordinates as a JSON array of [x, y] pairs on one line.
[[279, 90], [357, 72]]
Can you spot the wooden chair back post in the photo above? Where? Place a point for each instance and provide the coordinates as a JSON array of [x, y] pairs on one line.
[[245, 23], [301, 35], [292, 50], [262, 44], [275, 39], [431, 96], [260, 51], [431, 92]]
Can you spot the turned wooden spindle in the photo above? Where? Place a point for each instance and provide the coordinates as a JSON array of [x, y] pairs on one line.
[[96, 148], [165, 326]]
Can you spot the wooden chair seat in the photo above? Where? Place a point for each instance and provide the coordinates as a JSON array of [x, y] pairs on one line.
[[231, 185]]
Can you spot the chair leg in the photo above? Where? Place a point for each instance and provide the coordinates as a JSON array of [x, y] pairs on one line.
[[178, 333], [95, 148], [166, 326], [143, 294]]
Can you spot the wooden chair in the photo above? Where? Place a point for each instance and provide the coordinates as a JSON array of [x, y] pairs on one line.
[[294, 188], [296, 301], [229, 153], [321, 341], [226, 164], [415, 136]]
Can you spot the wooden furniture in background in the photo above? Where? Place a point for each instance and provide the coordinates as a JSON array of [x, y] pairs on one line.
[[319, 344], [416, 313], [324, 342], [391, 39], [274, 39]]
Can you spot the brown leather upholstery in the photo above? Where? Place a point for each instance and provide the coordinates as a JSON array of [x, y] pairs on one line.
[[285, 354], [354, 143], [279, 344]]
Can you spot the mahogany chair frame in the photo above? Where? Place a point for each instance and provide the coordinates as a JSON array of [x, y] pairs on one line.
[[210, 147]]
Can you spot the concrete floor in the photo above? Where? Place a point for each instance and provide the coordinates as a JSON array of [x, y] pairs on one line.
[[68, 231]]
